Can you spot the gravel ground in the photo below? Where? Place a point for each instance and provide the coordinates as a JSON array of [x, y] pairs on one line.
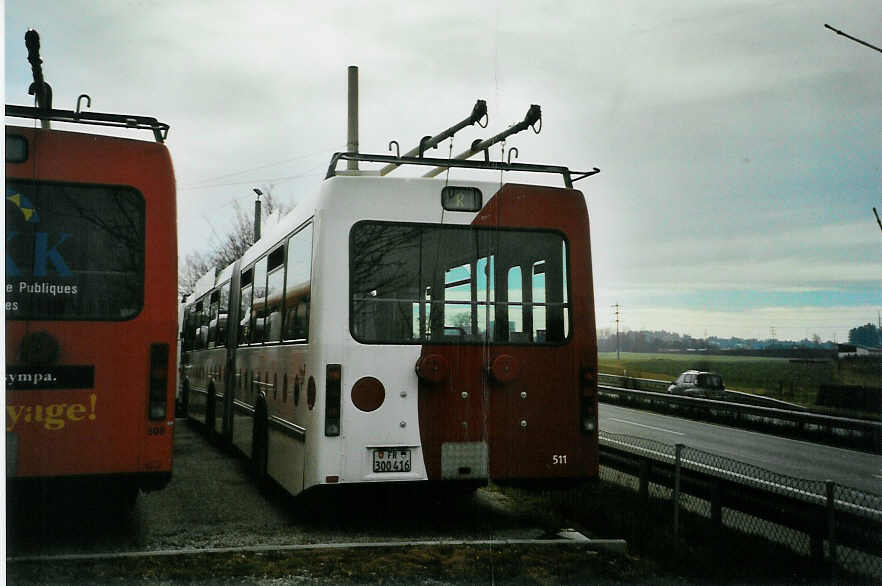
[[212, 503]]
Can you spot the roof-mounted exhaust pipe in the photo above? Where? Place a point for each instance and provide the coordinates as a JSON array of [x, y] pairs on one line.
[[534, 115], [479, 111], [352, 118]]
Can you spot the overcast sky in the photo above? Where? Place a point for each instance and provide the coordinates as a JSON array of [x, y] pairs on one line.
[[740, 142]]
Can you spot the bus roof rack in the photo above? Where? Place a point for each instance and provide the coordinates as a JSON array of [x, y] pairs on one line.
[[569, 176], [160, 129]]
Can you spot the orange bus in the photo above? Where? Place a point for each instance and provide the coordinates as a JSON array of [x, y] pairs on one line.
[[91, 287]]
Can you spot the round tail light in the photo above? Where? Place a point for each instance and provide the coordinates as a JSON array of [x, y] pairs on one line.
[[432, 368], [368, 394], [505, 368]]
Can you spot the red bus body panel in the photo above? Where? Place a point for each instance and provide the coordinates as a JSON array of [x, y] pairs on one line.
[[103, 430], [532, 424]]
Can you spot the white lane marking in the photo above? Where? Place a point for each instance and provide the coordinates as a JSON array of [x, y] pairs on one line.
[[648, 426], [878, 475]]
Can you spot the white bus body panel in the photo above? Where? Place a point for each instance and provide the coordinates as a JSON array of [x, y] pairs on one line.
[[299, 454], [342, 202]]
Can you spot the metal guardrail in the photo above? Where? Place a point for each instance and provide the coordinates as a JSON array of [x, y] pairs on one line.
[[843, 525], [842, 431], [729, 395]]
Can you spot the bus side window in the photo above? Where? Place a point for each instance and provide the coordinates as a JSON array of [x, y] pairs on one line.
[[203, 321], [197, 326], [275, 283], [223, 312], [297, 285], [258, 304], [212, 319], [188, 328], [245, 308]]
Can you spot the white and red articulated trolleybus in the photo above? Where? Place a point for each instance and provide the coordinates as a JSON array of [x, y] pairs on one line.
[[394, 329]]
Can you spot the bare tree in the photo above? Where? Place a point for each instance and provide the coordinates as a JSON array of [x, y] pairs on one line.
[[231, 246], [195, 265]]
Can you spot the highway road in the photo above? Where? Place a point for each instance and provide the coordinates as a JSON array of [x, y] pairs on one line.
[[791, 457]]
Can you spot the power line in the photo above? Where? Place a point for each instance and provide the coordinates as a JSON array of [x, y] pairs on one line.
[[256, 180], [264, 166]]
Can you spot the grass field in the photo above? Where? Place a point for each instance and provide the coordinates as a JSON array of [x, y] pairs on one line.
[[773, 377]]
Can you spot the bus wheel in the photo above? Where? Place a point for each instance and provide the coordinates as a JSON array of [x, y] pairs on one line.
[[185, 399], [209, 412], [125, 496], [259, 442], [131, 496]]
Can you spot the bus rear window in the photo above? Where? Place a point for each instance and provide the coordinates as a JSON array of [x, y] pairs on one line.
[[73, 252], [418, 283]]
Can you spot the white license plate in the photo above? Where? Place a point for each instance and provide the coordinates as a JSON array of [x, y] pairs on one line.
[[392, 460]]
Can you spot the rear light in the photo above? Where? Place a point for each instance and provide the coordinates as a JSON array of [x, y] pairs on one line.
[[332, 400], [157, 390], [432, 368], [588, 401]]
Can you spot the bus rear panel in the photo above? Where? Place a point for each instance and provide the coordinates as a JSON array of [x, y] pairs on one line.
[[91, 281], [500, 314]]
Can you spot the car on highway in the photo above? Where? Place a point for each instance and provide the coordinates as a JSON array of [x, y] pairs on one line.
[[698, 383]]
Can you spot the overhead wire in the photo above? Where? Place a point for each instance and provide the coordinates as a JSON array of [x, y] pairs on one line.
[[263, 166]]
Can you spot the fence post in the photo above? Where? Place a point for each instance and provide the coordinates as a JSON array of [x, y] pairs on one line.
[[679, 450], [831, 524], [716, 505], [644, 479]]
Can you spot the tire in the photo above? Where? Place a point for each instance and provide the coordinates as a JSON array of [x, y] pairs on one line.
[[185, 398], [210, 408], [259, 442]]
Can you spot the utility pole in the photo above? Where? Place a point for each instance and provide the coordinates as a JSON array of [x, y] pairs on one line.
[[618, 307]]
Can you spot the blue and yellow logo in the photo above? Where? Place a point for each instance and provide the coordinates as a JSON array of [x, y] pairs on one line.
[[24, 205]]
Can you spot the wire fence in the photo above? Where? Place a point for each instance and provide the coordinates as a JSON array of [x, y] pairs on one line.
[[836, 525]]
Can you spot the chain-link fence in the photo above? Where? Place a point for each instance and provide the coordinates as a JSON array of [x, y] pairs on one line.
[[833, 524]]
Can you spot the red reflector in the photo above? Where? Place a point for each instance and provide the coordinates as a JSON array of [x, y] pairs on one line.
[[332, 479], [368, 394]]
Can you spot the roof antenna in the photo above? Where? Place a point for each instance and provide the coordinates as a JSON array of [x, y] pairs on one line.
[[39, 89]]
